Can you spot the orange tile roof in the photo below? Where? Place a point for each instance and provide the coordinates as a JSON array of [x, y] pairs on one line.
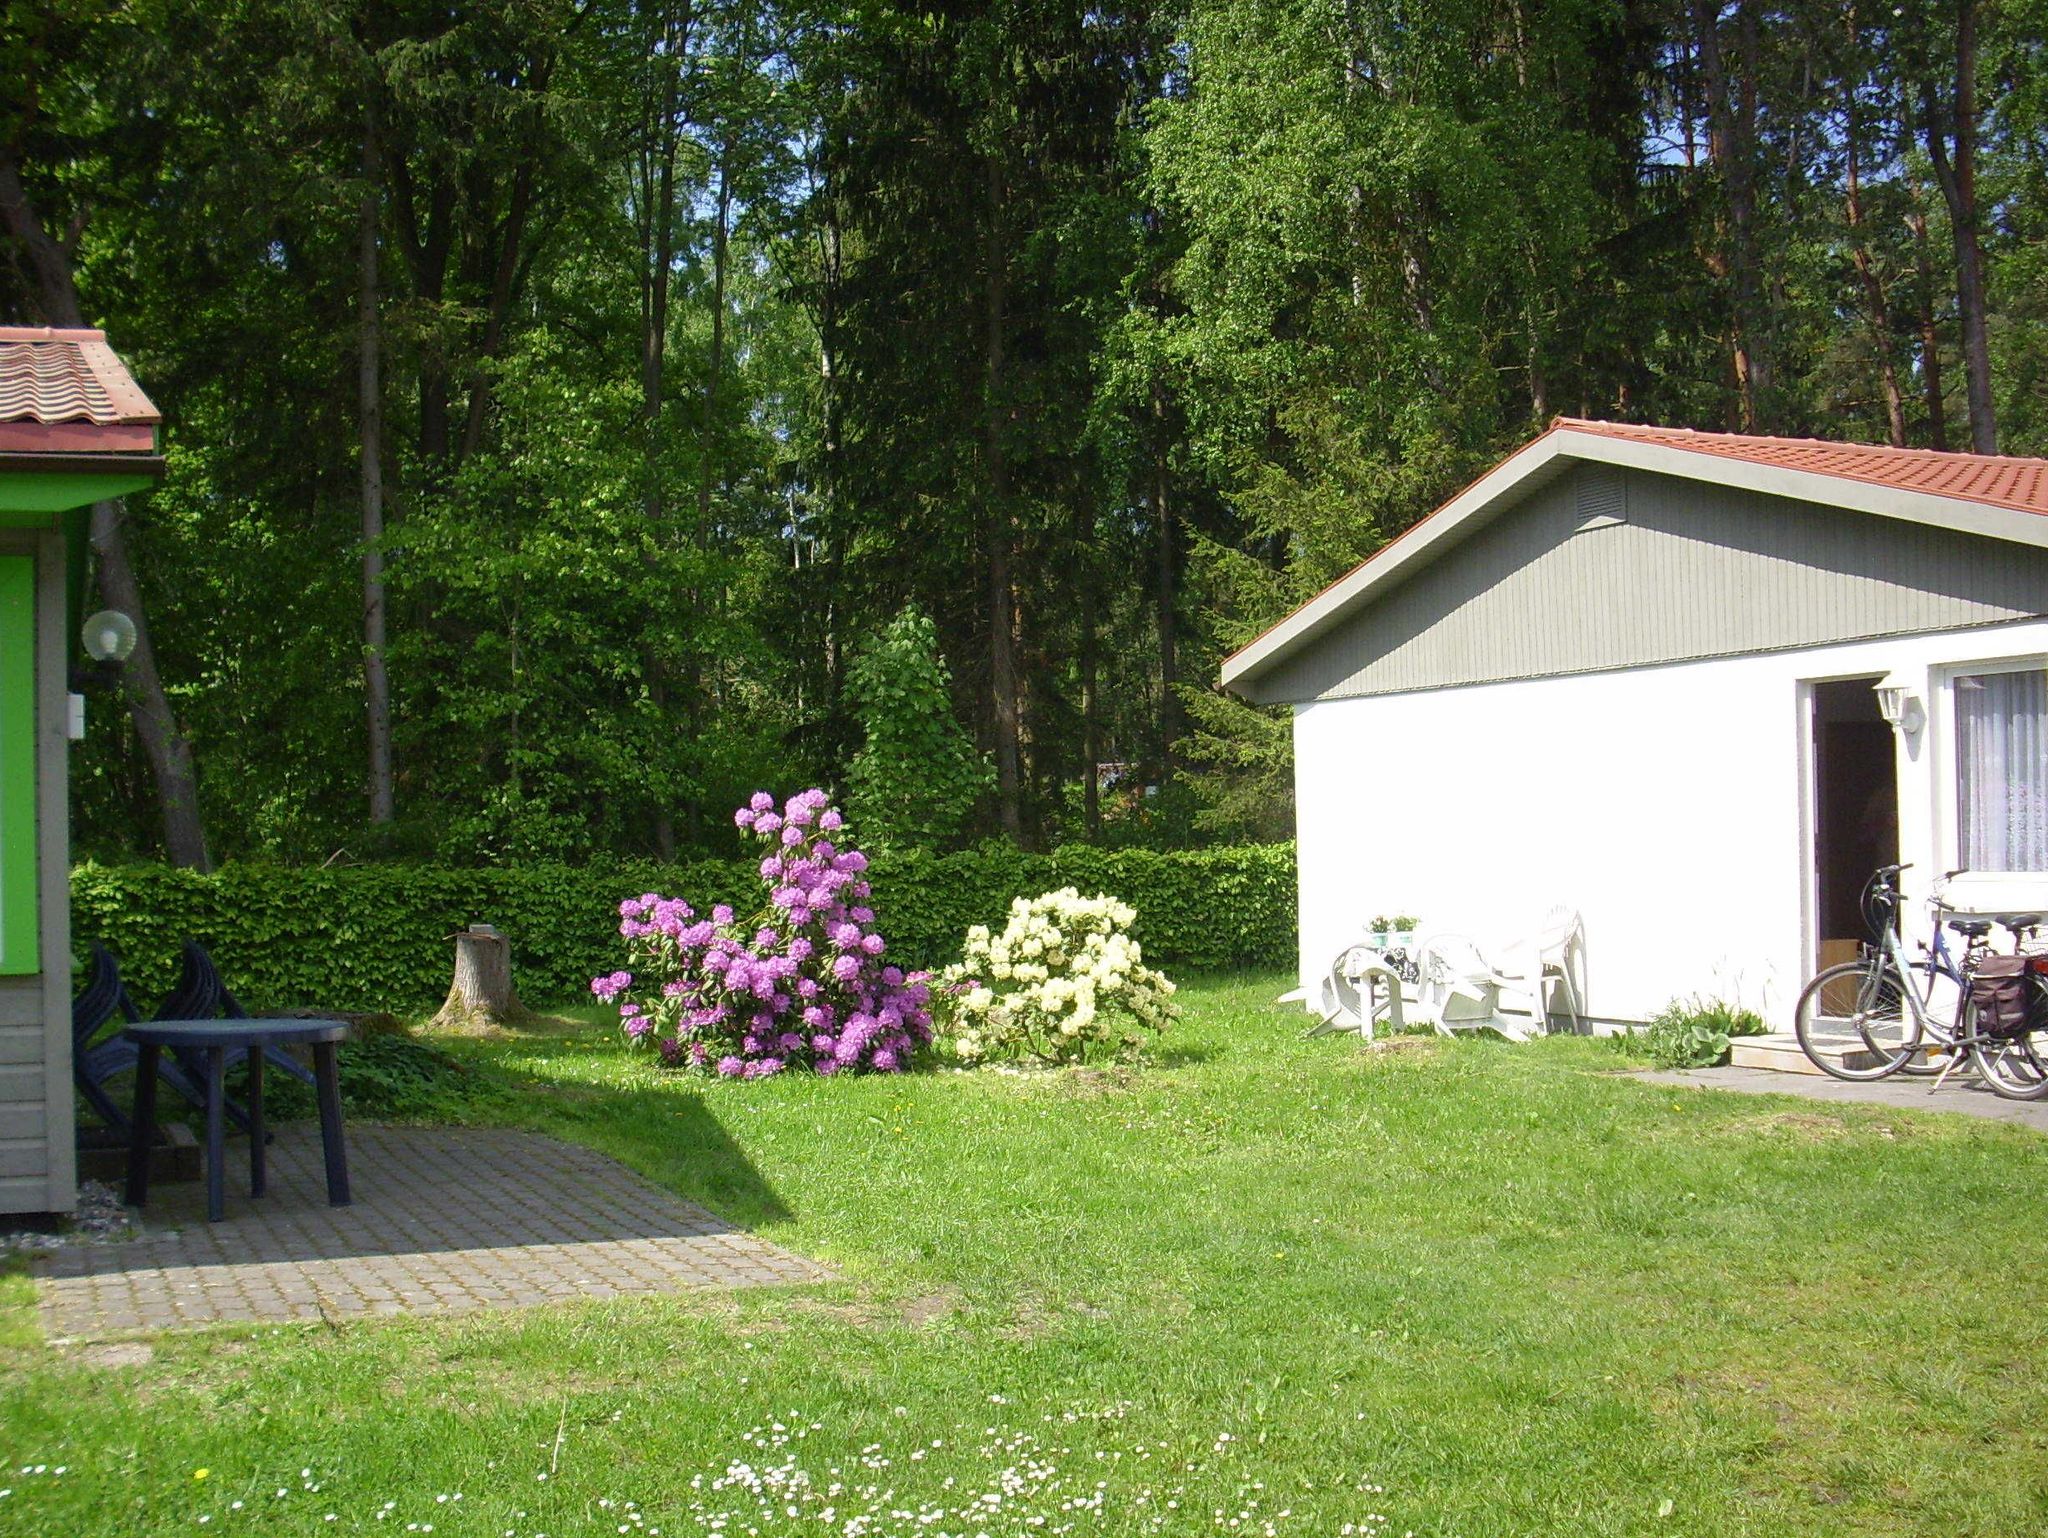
[[63, 391], [1994, 479]]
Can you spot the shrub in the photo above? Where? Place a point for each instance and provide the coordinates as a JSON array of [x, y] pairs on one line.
[[374, 936], [1694, 1033], [800, 984], [384, 1077], [1062, 977]]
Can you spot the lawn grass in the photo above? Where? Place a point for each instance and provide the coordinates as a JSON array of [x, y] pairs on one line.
[[1456, 1288]]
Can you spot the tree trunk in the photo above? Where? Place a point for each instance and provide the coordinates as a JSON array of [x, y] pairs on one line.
[[427, 254], [1877, 312], [48, 262], [1422, 307], [1091, 726], [504, 289], [481, 996], [828, 461], [163, 740], [1930, 331], [164, 743], [1731, 139], [370, 427], [1955, 171], [657, 233], [998, 534], [1166, 594], [658, 256], [1539, 379], [720, 242]]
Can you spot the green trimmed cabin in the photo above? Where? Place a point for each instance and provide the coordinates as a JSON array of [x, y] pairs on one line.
[[75, 430]]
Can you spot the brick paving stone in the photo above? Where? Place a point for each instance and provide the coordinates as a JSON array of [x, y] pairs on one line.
[[445, 1220]]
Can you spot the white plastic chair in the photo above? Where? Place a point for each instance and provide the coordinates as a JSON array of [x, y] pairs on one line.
[[1555, 953], [1360, 990], [1459, 991]]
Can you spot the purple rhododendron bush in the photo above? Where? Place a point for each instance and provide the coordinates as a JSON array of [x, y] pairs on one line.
[[801, 986]]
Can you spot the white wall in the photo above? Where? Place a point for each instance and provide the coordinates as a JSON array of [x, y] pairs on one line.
[[1669, 804]]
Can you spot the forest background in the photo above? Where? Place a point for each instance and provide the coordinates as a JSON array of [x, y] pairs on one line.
[[581, 413]]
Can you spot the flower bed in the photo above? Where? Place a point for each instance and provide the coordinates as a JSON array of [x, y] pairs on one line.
[[1063, 977], [803, 985]]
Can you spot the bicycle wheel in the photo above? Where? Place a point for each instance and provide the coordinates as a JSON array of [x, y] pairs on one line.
[[2014, 1066], [1853, 1021], [1939, 1047]]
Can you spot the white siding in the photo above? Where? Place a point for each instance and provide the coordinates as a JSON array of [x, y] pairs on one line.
[[1604, 568], [1669, 804]]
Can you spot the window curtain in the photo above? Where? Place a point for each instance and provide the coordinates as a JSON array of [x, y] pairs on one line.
[[2002, 732]]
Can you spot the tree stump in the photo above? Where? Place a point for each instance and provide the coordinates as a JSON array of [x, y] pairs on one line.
[[481, 997]]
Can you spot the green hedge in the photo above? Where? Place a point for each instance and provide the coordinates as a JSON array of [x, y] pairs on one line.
[[375, 937]]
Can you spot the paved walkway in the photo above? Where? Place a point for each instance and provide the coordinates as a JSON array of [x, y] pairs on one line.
[[1962, 1095], [445, 1220]]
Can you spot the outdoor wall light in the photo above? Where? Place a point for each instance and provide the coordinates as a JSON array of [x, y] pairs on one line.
[[1899, 705], [109, 636]]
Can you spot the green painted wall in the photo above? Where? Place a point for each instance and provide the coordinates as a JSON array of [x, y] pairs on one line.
[[18, 927]]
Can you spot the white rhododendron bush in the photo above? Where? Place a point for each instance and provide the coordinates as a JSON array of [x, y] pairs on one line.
[[1062, 978]]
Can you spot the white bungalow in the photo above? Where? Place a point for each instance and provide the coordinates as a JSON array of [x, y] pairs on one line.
[[1648, 673]]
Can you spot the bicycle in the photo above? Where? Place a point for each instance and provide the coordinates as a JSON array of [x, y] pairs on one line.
[[1867, 1019]]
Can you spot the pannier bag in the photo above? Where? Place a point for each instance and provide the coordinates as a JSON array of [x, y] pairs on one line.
[[2009, 995]]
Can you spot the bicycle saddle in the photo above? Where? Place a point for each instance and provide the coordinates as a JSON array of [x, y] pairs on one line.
[[1973, 929], [2018, 921]]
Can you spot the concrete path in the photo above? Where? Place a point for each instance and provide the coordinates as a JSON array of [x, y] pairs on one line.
[[444, 1220], [1963, 1095]]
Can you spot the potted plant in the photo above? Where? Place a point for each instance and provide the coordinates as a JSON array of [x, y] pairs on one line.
[[1391, 931]]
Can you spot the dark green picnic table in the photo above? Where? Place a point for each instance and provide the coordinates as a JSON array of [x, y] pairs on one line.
[[213, 1041]]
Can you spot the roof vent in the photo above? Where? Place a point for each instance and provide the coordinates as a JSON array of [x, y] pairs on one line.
[[1602, 498]]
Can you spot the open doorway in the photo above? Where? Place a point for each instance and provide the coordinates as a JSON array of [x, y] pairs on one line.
[[1856, 810]]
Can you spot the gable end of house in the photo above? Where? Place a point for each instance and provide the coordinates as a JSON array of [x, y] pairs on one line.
[[1607, 566]]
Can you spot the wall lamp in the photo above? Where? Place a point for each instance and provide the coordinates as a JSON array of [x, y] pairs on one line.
[[109, 636], [1899, 705], [109, 640]]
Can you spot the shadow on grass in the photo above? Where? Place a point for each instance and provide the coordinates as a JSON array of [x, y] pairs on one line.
[[665, 1130]]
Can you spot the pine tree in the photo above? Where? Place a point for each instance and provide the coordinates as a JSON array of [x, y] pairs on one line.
[[916, 779]]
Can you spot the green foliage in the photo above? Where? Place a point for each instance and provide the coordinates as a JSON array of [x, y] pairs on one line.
[[916, 779], [1242, 769], [374, 937], [385, 1076], [713, 334], [1694, 1033]]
